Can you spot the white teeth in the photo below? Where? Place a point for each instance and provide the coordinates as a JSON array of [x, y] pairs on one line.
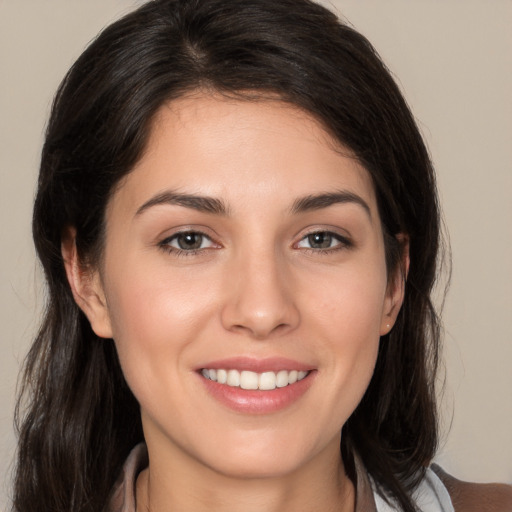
[[248, 380], [282, 379], [233, 378], [222, 376], [267, 380], [251, 380]]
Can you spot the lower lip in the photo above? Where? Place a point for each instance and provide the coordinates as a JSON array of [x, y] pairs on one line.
[[256, 401]]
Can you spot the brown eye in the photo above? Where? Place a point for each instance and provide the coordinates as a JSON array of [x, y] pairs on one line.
[[187, 241], [321, 240]]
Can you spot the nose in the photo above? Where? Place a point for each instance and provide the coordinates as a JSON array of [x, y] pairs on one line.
[[261, 301]]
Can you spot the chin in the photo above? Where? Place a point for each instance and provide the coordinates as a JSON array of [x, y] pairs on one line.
[[257, 466], [273, 457]]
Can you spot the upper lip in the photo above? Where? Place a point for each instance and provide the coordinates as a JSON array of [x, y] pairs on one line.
[[271, 364]]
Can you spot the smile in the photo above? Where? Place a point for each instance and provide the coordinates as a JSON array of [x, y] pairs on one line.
[[265, 381]]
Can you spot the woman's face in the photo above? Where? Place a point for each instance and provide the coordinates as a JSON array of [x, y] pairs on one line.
[[245, 247]]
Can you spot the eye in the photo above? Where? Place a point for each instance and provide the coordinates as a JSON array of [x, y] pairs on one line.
[[323, 240], [187, 241]]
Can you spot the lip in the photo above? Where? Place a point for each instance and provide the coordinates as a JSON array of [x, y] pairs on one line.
[[273, 364], [257, 401]]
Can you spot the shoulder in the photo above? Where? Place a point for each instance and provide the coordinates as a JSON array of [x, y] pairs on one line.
[[471, 497]]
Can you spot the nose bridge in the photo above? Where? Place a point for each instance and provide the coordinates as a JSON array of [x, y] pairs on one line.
[[260, 301]]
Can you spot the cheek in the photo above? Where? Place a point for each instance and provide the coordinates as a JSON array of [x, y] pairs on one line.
[[350, 302], [155, 301], [346, 317], [155, 316]]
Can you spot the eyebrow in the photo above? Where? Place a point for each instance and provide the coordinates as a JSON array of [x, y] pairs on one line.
[[200, 203], [218, 207], [319, 201]]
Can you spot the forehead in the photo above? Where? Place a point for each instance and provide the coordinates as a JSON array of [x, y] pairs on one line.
[[265, 150]]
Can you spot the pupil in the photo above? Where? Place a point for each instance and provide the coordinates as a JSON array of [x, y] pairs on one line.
[[190, 241], [320, 240]]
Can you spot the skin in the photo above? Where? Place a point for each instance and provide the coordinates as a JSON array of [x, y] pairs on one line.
[[256, 287]]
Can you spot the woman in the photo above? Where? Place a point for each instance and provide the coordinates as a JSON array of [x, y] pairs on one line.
[[238, 222]]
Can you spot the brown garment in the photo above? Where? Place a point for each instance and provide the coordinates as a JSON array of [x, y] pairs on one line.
[[469, 497], [466, 497]]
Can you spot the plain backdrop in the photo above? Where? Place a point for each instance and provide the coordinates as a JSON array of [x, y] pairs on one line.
[[453, 60]]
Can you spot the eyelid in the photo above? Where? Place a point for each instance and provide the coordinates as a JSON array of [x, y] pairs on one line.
[[183, 229], [324, 228]]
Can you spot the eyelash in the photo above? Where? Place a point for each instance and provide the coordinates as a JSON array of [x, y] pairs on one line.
[[343, 243]]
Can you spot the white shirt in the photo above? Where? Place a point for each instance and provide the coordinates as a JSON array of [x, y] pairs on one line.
[[430, 496]]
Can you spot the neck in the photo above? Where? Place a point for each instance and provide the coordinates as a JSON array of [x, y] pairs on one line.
[[322, 484]]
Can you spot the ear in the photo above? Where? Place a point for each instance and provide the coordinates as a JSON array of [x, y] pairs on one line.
[[86, 286], [396, 287]]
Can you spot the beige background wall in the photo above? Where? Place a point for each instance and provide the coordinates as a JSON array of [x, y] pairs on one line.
[[454, 62]]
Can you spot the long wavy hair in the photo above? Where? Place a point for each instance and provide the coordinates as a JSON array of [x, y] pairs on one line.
[[77, 419]]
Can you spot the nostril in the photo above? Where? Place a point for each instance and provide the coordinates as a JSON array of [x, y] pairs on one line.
[[260, 331]]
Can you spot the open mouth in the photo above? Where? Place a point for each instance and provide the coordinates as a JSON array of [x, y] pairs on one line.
[[245, 379]]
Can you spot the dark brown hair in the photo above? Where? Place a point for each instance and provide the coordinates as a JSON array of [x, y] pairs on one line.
[[77, 418]]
